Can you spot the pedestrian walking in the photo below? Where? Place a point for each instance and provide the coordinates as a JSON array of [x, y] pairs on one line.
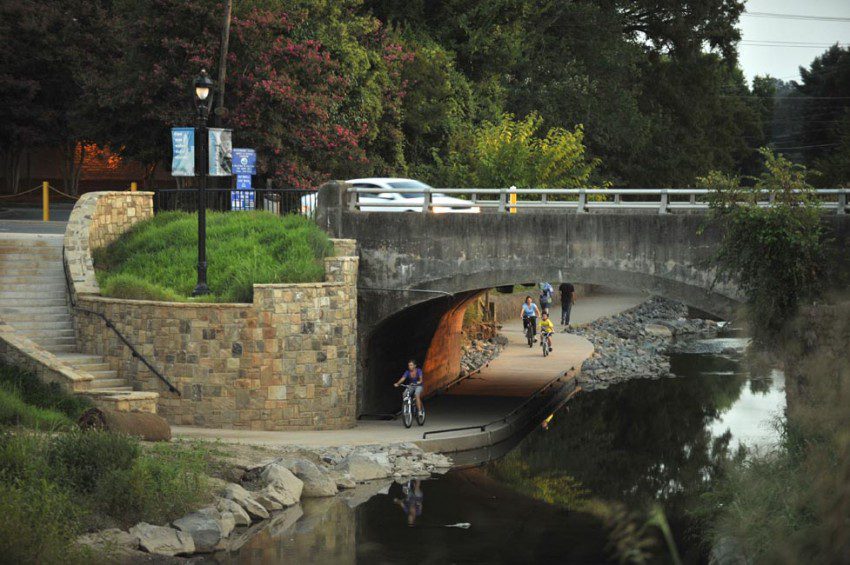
[[568, 298]]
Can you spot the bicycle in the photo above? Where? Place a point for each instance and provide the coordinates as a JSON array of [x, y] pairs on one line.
[[529, 331], [408, 407], [544, 344]]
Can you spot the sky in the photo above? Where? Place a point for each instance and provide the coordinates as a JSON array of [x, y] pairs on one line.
[[759, 53]]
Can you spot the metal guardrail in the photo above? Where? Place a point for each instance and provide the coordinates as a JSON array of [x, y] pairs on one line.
[[663, 200], [279, 201], [111, 326], [483, 427]]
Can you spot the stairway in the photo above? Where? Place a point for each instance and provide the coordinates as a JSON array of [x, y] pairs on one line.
[[34, 301]]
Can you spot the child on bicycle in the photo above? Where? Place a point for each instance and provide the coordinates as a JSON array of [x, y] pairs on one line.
[[547, 328], [413, 376]]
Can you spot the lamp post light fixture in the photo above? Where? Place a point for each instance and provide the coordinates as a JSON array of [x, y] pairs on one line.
[[203, 103]]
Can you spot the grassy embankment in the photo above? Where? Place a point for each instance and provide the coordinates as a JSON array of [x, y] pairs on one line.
[[792, 504], [157, 258], [57, 482]]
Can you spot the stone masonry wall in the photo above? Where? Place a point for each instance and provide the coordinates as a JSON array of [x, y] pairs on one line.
[[98, 218], [285, 362]]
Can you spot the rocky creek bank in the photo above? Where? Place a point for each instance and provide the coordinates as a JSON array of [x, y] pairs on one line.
[[260, 492], [635, 343], [477, 353]]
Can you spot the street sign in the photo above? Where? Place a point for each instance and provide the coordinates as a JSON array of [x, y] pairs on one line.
[[220, 152], [243, 182], [183, 149], [244, 161], [241, 200]]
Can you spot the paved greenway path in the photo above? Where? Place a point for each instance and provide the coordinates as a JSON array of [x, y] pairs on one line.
[[487, 396]]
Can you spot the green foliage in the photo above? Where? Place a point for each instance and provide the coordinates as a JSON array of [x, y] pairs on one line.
[[83, 460], [157, 259], [161, 485], [775, 254], [510, 153], [38, 393], [15, 412], [39, 522]]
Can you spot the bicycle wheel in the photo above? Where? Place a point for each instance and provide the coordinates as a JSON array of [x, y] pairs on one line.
[[420, 416], [545, 347], [406, 415], [530, 336]]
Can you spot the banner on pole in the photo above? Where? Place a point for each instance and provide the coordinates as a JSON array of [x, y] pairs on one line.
[[183, 150], [220, 152]]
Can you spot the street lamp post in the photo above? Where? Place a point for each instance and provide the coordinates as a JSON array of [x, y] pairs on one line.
[[203, 102]]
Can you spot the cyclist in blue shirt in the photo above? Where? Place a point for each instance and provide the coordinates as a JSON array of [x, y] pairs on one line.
[[529, 314], [413, 376]]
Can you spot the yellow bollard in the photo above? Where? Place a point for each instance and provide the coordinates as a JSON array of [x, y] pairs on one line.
[[513, 202], [45, 201], [133, 187]]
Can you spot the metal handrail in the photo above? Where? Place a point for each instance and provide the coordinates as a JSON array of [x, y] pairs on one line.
[[111, 326], [508, 198], [483, 427]]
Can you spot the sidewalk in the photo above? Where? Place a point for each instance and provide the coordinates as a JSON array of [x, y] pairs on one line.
[[487, 396]]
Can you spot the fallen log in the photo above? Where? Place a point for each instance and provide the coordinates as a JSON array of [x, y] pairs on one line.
[[144, 425]]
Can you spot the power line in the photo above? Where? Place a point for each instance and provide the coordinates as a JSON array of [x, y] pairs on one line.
[[790, 44], [796, 16]]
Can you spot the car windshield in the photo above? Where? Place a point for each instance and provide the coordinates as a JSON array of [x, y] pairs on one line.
[[409, 184]]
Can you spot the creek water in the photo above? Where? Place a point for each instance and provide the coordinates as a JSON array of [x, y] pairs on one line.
[[607, 458]]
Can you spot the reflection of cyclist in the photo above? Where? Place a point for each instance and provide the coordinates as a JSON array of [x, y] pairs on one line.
[[412, 503], [547, 328], [529, 314], [413, 376]]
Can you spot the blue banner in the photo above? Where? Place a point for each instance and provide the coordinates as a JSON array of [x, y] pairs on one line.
[[183, 149]]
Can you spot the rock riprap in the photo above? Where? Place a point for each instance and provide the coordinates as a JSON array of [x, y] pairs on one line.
[[275, 488], [477, 353], [635, 343]]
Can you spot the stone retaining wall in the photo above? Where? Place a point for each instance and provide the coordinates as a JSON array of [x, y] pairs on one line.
[[287, 361], [97, 220]]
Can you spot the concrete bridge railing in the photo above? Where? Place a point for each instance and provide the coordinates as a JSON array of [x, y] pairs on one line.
[[661, 200]]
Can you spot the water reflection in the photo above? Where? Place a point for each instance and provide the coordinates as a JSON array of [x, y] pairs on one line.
[[634, 446], [411, 504]]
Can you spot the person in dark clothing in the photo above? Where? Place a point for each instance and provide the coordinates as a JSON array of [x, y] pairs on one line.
[[568, 298]]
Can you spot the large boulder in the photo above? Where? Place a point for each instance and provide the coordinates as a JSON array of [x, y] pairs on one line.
[[204, 526], [365, 467], [281, 496], [282, 479], [162, 540], [227, 523], [228, 506], [246, 500], [268, 502], [316, 482]]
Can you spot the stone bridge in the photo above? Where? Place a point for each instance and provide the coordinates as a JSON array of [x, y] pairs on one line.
[[418, 272]]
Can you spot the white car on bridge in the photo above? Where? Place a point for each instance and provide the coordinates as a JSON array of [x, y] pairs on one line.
[[393, 201]]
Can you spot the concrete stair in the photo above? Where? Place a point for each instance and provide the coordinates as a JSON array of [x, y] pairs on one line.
[[34, 301]]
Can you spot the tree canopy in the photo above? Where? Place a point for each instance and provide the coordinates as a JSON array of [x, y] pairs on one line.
[[373, 87]]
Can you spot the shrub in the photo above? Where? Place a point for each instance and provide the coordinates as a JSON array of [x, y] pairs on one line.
[[15, 412], [22, 456], [157, 259], [36, 392], [38, 524], [776, 254], [82, 459], [160, 486]]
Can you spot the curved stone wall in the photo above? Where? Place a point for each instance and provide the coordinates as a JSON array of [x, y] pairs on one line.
[[287, 361]]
